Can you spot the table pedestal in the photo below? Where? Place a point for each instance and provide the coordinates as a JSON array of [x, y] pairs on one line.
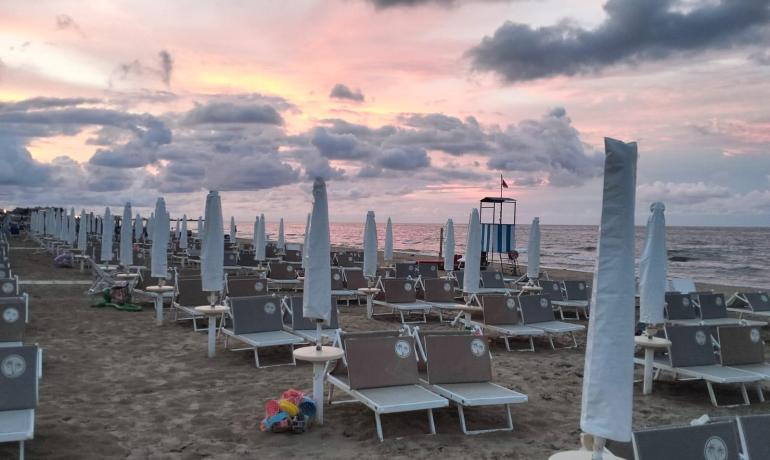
[[319, 358], [159, 292], [650, 344], [212, 311], [370, 293]]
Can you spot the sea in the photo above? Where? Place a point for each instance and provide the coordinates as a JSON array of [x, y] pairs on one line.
[[733, 256]]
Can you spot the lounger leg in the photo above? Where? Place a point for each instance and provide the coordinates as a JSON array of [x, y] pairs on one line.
[[379, 426], [256, 356], [574, 339], [507, 344], [760, 393], [21, 450], [745, 395], [508, 416], [431, 423], [531, 343], [331, 393], [712, 396], [461, 415], [550, 340]]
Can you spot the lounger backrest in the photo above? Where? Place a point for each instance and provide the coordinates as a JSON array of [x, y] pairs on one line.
[[756, 433], [535, 309], [712, 441], [406, 270], [246, 259], [500, 310], [679, 306], [358, 256], [231, 259], [740, 345], [292, 255], [5, 272], [459, 278], [690, 346], [338, 280], [381, 362], [346, 260], [13, 319], [256, 314], [140, 258], [758, 301], [575, 290], [355, 279], [399, 290], [8, 287], [282, 271], [244, 287], [552, 290], [458, 359], [18, 377], [493, 280], [712, 306], [438, 290], [271, 251], [191, 293], [428, 270], [300, 323]]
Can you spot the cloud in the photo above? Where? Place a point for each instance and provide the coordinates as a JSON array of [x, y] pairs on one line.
[[341, 91], [634, 31], [760, 57], [404, 158], [64, 22], [166, 66], [338, 146], [685, 193], [18, 168], [254, 172], [228, 112], [385, 4]]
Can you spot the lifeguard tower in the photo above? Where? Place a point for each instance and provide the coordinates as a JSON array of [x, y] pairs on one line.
[[498, 230]]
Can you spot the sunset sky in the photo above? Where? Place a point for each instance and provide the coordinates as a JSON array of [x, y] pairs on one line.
[[410, 108]]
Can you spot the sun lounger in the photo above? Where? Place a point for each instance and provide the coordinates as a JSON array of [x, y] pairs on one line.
[[750, 303], [493, 283], [691, 355], [282, 275], [427, 270], [754, 431], [398, 294], [713, 312], [551, 290], [407, 270], [257, 322], [340, 291], [231, 261], [296, 323], [711, 441], [14, 315], [347, 260], [9, 287], [381, 373], [741, 347], [537, 312], [439, 294], [575, 296], [679, 309], [502, 318], [245, 286], [190, 295], [20, 371]]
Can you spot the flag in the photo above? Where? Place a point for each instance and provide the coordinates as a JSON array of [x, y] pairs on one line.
[[503, 183]]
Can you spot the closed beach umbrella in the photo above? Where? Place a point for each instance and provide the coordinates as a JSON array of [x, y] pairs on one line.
[[281, 243], [370, 245], [233, 229], [304, 244], [255, 235], [388, 252], [73, 228], [126, 238], [178, 229], [82, 231], [138, 227], [472, 275], [200, 227], [160, 235], [317, 293], [213, 250], [183, 235], [261, 238], [608, 377], [449, 246], [533, 250], [653, 267], [91, 223], [151, 226], [108, 227]]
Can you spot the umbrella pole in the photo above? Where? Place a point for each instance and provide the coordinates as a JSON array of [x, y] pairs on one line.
[[318, 324]]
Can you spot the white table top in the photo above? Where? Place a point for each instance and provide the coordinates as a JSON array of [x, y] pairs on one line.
[[128, 275], [164, 288], [531, 288], [651, 342], [368, 291], [581, 455], [318, 356], [108, 267], [212, 311]]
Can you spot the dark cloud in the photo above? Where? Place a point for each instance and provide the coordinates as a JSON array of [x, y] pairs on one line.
[[760, 57], [45, 103], [634, 31], [255, 172], [338, 146], [18, 168], [385, 4], [341, 91], [404, 158], [166, 66], [228, 112]]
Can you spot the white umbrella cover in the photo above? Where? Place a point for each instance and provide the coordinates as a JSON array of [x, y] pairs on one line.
[[370, 245], [304, 244], [160, 234], [126, 238], [261, 239], [255, 236], [449, 246], [233, 229], [653, 265], [108, 227], [388, 251], [472, 275], [317, 292], [213, 249], [281, 238], [533, 250], [138, 227], [183, 235]]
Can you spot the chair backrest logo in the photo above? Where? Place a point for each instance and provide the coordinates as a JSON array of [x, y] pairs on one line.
[[477, 347], [715, 449], [764, 298], [685, 301], [582, 286], [270, 308], [13, 366], [447, 287], [433, 268], [554, 286], [754, 335], [10, 315], [407, 287], [497, 276], [7, 287], [543, 302], [336, 276], [403, 349], [700, 338], [258, 286], [289, 268], [510, 303], [718, 301]]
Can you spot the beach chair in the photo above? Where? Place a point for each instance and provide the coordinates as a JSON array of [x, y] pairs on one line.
[[347, 261], [381, 373], [752, 303], [231, 261], [427, 270], [14, 316], [354, 279], [20, 371], [493, 282], [190, 294], [713, 311], [293, 256], [679, 309], [9, 287], [754, 432], [296, 323], [399, 295], [691, 355], [576, 296], [406, 270], [339, 290], [459, 368], [710, 441], [257, 322], [551, 290], [742, 347], [246, 286], [537, 312], [282, 275], [439, 294], [502, 318]]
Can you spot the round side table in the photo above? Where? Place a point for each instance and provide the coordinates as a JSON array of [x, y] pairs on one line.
[[319, 358], [211, 312]]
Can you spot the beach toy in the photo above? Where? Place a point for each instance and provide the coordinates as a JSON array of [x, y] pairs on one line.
[[307, 407], [288, 407], [272, 408], [293, 395], [276, 424]]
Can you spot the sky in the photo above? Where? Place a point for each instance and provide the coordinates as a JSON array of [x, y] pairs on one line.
[[411, 108]]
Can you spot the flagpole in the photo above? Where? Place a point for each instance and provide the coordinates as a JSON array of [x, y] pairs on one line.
[[501, 185]]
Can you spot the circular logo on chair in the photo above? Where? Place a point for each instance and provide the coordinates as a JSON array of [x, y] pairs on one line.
[[10, 315], [685, 301], [13, 366], [718, 301], [764, 298], [754, 334], [510, 303], [258, 286], [477, 347], [715, 449], [412, 268], [433, 268], [336, 277], [289, 268], [407, 287], [497, 276], [7, 287], [269, 308], [543, 302], [403, 349], [700, 338], [447, 287], [582, 286], [555, 287]]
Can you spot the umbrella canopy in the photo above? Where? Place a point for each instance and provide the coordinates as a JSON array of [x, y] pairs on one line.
[[304, 244], [233, 229], [533, 250], [472, 275], [82, 231], [138, 227], [126, 238], [178, 229], [388, 252], [608, 377], [370, 245], [213, 250], [73, 223], [160, 235], [255, 236], [317, 294], [653, 268], [108, 227], [449, 246], [281, 243], [261, 239], [151, 226], [183, 236], [200, 226]]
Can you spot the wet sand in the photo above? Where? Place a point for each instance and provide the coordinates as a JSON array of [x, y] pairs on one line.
[[115, 385]]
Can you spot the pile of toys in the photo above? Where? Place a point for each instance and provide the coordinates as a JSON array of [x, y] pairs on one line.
[[293, 413]]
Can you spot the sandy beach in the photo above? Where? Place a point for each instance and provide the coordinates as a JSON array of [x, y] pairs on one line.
[[115, 385]]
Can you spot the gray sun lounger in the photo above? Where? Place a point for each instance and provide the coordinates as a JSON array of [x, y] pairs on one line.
[[399, 295], [406, 270], [537, 312], [282, 275], [20, 372], [713, 312], [575, 296], [190, 294], [246, 286], [754, 431], [257, 322], [459, 368], [382, 374], [296, 323], [13, 319], [741, 347], [493, 282], [439, 294], [9, 287], [711, 441], [750, 303], [502, 318], [342, 292]]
